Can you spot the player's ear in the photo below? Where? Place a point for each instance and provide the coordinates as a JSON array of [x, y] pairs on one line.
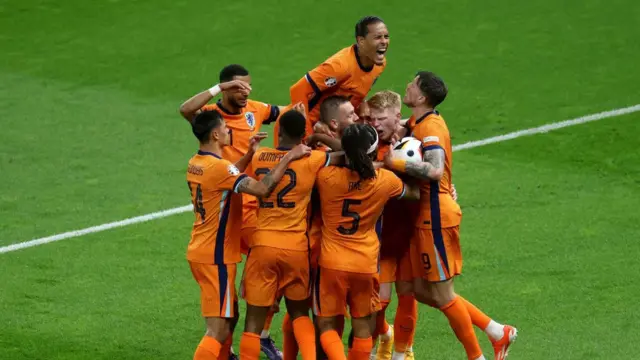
[[333, 124]]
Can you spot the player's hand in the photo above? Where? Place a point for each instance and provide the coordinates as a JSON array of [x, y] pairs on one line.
[[454, 193], [254, 141], [322, 128], [235, 85], [299, 151], [299, 107]]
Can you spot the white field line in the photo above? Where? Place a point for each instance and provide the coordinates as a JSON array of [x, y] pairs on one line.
[[186, 208]]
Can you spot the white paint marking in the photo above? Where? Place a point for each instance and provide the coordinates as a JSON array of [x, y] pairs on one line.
[[186, 208]]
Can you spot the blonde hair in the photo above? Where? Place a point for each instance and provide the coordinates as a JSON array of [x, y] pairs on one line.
[[384, 100]]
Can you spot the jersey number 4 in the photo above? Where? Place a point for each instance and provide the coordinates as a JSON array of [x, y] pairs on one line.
[[198, 208], [281, 194], [346, 212]]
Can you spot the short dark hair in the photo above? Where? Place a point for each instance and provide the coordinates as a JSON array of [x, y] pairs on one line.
[[330, 106], [433, 87], [356, 140], [228, 72], [362, 26], [204, 123], [293, 124]]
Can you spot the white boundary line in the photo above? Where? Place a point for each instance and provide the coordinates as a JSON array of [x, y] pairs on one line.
[[186, 208]]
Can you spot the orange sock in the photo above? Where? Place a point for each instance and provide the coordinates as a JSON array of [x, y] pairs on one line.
[[305, 334], [267, 322], [250, 346], [289, 343], [478, 318], [340, 326], [461, 324], [225, 351], [332, 345], [404, 325], [208, 349], [361, 349]]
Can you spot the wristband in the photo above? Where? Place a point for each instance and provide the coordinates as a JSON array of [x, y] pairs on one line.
[[399, 165], [215, 90]]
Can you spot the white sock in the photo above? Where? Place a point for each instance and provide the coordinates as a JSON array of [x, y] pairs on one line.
[[480, 358], [397, 356], [386, 336], [494, 330], [410, 348], [265, 334]]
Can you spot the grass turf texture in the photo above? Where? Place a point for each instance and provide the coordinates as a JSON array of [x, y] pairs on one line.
[[89, 102]]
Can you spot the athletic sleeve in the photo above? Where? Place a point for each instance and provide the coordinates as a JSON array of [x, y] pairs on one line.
[[225, 175], [318, 160], [394, 186]]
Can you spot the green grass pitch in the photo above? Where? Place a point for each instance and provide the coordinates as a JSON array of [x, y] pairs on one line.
[[91, 134]]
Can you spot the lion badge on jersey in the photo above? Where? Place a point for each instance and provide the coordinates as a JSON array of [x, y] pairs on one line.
[[330, 81], [251, 119]]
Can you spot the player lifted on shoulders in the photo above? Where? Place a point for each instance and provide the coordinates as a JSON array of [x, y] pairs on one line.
[[435, 248], [352, 199], [351, 72], [243, 117], [214, 249]]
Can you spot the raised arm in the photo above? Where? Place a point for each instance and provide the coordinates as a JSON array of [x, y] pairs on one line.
[[264, 187], [254, 142], [190, 108]]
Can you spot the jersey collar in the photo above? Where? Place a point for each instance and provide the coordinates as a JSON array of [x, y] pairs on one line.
[[283, 148], [224, 110], [355, 50], [200, 152], [419, 120]]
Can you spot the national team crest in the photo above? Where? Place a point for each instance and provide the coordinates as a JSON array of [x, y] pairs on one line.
[[251, 119]]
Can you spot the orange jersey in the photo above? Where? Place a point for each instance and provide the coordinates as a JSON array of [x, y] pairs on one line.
[[282, 217], [351, 211], [383, 149], [215, 238], [244, 125], [437, 207], [341, 74]]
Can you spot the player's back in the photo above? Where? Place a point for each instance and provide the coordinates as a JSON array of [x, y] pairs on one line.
[[351, 209], [282, 217], [437, 207], [341, 74], [217, 208]]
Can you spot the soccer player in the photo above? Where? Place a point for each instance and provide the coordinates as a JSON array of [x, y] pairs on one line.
[[336, 113], [397, 229], [243, 117], [352, 198], [351, 72], [214, 249], [278, 262], [435, 249]]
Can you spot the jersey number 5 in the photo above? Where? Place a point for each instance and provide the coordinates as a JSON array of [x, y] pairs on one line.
[[346, 212], [280, 196], [198, 208]]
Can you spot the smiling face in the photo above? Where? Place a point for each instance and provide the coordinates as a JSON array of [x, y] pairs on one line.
[[375, 43]]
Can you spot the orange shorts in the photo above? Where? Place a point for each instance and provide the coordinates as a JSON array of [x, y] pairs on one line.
[[334, 290], [435, 254], [217, 288], [388, 270], [404, 271], [272, 272]]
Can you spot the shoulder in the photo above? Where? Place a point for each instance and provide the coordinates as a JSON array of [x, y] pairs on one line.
[[256, 105]]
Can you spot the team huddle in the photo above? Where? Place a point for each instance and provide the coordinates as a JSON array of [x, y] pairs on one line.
[[350, 200]]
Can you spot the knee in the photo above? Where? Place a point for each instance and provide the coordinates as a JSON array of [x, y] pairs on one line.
[[219, 330]]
